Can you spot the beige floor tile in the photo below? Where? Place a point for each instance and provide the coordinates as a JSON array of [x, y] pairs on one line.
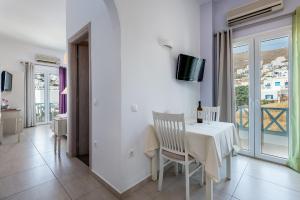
[[21, 164], [77, 184], [228, 186], [252, 188], [100, 193], [274, 173], [151, 189], [17, 151], [25, 180], [63, 170], [51, 190], [138, 195]]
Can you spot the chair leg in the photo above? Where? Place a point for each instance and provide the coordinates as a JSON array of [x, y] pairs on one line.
[[182, 168], [55, 141], [202, 175], [19, 137], [187, 181], [176, 168], [161, 172], [59, 143]]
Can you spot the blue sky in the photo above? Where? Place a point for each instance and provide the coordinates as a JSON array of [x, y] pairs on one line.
[[266, 45]]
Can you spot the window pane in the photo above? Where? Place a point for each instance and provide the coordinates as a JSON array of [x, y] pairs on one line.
[[274, 96], [241, 86], [39, 83], [53, 96]]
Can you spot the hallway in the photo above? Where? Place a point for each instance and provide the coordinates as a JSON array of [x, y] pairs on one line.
[[31, 171]]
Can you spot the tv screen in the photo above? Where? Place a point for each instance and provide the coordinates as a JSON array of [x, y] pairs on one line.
[[6, 81], [190, 68]]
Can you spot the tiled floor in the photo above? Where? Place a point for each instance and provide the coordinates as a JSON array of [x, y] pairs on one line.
[[31, 171]]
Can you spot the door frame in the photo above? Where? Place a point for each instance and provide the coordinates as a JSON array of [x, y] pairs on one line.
[[254, 97], [73, 42], [261, 37], [46, 70], [251, 136]]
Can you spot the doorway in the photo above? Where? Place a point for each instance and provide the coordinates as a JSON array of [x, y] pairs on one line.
[[46, 84], [80, 92], [262, 91]]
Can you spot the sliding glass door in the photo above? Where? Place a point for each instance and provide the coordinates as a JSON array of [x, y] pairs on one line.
[[46, 94], [40, 97], [243, 73], [53, 90], [261, 67]]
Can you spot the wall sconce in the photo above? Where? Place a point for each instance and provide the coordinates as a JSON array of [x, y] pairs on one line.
[[165, 43]]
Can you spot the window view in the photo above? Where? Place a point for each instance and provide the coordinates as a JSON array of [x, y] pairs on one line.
[[53, 96], [241, 86], [39, 83], [46, 96], [261, 85], [274, 78]]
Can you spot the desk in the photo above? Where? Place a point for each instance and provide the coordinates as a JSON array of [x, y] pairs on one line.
[[11, 122], [209, 143]]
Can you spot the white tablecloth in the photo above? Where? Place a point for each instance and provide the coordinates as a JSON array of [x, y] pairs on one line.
[[209, 143]]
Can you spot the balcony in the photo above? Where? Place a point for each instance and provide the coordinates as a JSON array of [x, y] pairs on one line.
[[40, 116], [274, 129]]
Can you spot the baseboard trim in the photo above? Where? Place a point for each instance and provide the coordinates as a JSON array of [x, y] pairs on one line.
[[123, 195], [136, 187], [106, 185], [116, 193]]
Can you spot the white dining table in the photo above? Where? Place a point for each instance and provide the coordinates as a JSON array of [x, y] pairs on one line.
[[209, 143]]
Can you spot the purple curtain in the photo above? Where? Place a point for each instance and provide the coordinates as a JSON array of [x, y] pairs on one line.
[[62, 86]]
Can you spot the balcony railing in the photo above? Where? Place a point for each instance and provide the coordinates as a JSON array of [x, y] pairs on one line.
[[40, 112], [275, 121]]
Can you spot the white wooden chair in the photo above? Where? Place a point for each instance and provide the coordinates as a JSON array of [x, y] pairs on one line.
[[211, 113], [170, 129]]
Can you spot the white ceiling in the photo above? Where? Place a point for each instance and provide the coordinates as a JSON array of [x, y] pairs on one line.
[[41, 22]]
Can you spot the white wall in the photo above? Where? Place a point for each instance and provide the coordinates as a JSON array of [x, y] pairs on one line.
[[146, 76], [148, 71], [106, 82], [218, 13], [206, 52], [11, 53]]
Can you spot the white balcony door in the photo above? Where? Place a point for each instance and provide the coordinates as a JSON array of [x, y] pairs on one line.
[[46, 94], [262, 90]]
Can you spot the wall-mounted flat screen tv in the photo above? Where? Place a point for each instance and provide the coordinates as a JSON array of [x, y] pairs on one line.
[[6, 81], [190, 68]]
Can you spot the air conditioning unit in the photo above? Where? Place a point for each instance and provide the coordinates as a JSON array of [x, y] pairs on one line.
[[47, 59], [253, 10]]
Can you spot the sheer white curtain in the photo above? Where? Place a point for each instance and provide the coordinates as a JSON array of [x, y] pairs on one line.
[[29, 104], [224, 91]]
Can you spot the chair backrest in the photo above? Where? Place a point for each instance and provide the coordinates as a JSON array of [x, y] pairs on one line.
[[170, 129], [211, 113]]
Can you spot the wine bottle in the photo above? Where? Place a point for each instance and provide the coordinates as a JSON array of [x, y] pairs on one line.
[[199, 113]]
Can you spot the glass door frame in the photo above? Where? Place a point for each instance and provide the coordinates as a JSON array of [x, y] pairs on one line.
[[251, 137], [253, 41], [46, 70], [278, 33]]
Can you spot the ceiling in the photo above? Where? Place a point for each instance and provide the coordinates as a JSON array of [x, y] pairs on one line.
[[40, 22]]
